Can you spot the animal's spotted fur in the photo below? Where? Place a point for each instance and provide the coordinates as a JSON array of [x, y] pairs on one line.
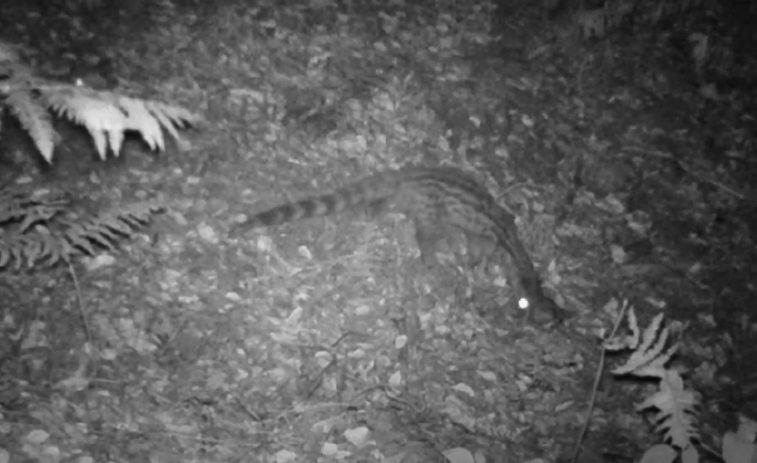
[[440, 201]]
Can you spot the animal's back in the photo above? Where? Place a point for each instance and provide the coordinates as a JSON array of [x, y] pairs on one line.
[[438, 200], [418, 192]]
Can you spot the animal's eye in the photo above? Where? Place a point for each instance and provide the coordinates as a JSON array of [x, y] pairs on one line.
[[523, 303]]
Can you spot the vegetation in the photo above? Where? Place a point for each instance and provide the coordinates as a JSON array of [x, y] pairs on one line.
[[45, 228], [621, 135]]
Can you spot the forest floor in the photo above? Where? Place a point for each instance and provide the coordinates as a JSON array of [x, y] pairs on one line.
[[321, 340]]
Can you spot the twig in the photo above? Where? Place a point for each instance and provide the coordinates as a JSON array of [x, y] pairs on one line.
[[80, 301], [577, 448]]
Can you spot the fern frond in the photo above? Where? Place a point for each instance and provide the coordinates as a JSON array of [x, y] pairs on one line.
[[30, 209], [34, 119], [30, 248], [171, 117], [102, 119], [676, 418], [676, 415], [139, 118], [646, 359], [107, 115], [19, 85], [106, 229], [44, 234]]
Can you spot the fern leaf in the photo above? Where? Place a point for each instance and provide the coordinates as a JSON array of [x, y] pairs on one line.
[[151, 116], [649, 351], [35, 120], [77, 238], [115, 223], [171, 117], [32, 250], [51, 249], [676, 418], [650, 334], [107, 115], [106, 230], [140, 119], [84, 106], [663, 359], [17, 251], [60, 250], [101, 143], [656, 368], [36, 214], [12, 251], [40, 206], [102, 233], [28, 249], [95, 112], [42, 234], [115, 140], [104, 121], [130, 217]]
